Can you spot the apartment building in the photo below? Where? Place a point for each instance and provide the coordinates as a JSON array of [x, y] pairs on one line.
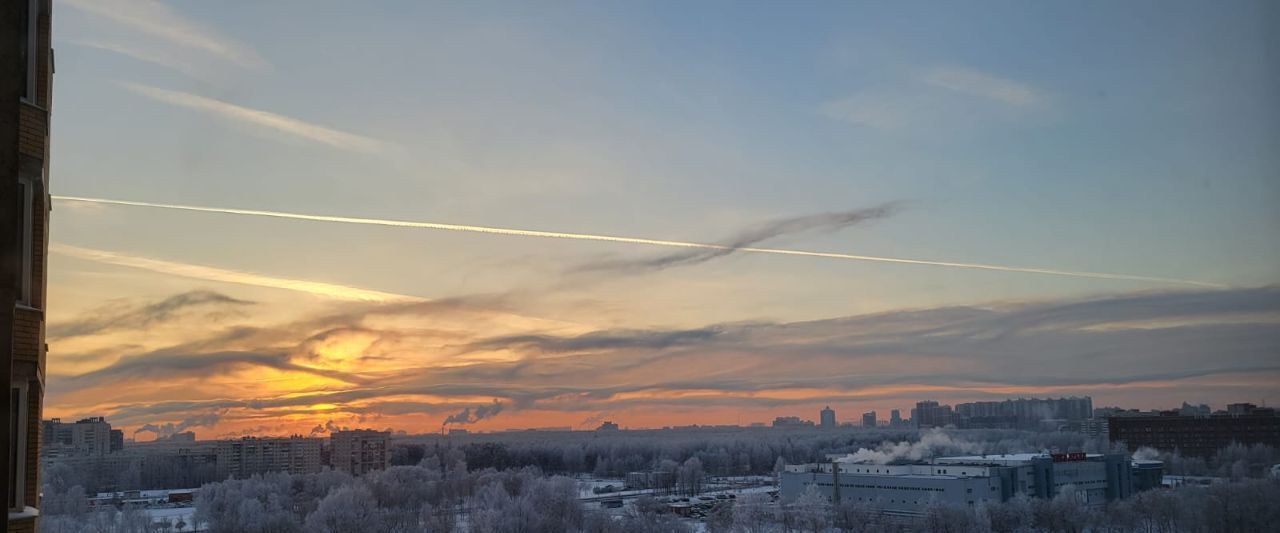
[[253, 455], [1197, 436], [26, 73], [87, 436], [359, 451]]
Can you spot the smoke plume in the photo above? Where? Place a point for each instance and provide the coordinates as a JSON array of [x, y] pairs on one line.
[[931, 444], [468, 416], [169, 428], [328, 428]]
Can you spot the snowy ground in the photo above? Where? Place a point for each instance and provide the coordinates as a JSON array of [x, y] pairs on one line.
[[174, 516]]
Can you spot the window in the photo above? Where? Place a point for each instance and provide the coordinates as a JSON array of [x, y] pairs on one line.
[[27, 47], [17, 445], [26, 193]]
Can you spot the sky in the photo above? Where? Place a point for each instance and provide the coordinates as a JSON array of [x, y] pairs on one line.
[[291, 216]]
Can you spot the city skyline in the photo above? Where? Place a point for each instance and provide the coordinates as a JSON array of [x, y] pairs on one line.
[[544, 217]]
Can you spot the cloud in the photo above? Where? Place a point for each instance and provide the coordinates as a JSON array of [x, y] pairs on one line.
[[156, 19], [938, 99], [155, 56], [745, 239], [169, 363], [600, 340], [1129, 344], [880, 111], [266, 120], [974, 82], [118, 317], [721, 248], [327, 290]]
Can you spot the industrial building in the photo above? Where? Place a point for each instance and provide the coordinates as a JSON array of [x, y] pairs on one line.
[[971, 480]]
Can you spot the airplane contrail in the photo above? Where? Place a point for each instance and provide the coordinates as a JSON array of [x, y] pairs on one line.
[[636, 240]]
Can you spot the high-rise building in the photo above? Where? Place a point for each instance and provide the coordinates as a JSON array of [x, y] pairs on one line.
[[895, 418], [252, 455], [929, 414], [359, 451], [827, 418], [91, 436], [26, 61], [869, 419]]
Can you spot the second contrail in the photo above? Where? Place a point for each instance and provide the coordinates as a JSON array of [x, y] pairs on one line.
[[635, 240]]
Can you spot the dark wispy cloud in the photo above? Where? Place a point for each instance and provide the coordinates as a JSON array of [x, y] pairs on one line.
[[600, 340], [170, 364], [1132, 342], [743, 240], [127, 317]]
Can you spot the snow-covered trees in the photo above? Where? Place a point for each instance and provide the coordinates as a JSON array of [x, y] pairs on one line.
[[439, 492], [753, 513], [260, 504], [690, 476], [810, 512], [1011, 516], [346, 509]]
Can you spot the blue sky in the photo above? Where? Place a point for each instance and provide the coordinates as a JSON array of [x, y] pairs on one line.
[[1138, 138]]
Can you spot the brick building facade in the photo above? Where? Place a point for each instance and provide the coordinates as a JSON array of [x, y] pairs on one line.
[[26, 75]]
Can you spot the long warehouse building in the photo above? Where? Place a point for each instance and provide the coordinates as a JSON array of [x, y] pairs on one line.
[[972, 480]]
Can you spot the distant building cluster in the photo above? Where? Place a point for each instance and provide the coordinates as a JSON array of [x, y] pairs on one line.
[[909, 489], [1021, 413], [793, 422], [92, 444]]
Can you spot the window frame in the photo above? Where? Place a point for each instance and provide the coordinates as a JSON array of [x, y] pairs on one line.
[[18, 448], [30, 43], [27, 196]]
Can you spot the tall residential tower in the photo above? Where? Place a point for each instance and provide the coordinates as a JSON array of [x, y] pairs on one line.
[[827, 418]]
